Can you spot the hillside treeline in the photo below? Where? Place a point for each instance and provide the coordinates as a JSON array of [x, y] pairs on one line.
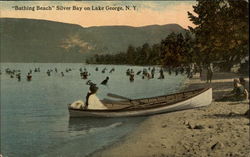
[[220, 36], [168, 52]]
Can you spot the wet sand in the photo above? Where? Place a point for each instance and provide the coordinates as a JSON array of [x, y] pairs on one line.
[[218, 130]]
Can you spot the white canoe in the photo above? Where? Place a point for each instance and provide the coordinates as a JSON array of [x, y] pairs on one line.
[[150, 106]]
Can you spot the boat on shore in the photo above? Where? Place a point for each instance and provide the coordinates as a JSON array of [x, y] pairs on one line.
[[149, 106]]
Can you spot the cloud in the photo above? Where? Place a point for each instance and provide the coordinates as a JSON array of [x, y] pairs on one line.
[[74, 41]]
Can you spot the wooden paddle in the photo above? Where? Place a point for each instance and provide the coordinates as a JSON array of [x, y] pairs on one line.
[[105, 100], [110, 101], [122, 97], [118, 96]]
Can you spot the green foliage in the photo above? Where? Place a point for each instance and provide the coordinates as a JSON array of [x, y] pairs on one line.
[[221, 31], [131, 55], [177, 50], [145, 55]]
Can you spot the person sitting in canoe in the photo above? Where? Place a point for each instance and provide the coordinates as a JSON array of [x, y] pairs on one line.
[[239, 93], [92, 101]]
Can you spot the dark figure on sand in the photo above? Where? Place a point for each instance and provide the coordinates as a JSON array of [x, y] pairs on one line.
[[239, 93], [247, 113], [242, 82], [209, 73], [104, 82], [200, 71]]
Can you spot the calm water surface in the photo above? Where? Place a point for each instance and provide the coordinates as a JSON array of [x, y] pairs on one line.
[[34, 115]]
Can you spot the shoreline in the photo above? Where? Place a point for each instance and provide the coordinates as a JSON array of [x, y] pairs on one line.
[[220, 129]]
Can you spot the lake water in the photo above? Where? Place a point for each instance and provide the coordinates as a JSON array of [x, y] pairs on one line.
[[34, 115]]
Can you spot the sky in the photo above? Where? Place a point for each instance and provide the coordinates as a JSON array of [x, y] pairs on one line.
[[145, 12]]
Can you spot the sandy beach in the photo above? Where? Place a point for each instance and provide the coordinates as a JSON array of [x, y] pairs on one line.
[[219, 130]]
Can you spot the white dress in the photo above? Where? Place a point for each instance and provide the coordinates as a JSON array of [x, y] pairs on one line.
[[95, 103]]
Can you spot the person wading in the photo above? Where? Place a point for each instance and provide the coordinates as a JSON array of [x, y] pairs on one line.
[[104, 82]]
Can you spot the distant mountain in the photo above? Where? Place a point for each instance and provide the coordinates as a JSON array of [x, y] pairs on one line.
[[29, 40]]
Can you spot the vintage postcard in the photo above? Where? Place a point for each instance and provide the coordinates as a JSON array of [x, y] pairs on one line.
[[124, 78]]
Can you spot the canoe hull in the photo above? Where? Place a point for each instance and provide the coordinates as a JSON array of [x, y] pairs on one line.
[[200, 100]]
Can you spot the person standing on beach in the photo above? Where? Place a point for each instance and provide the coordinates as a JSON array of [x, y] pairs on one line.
[[200, 71], [209, 73]]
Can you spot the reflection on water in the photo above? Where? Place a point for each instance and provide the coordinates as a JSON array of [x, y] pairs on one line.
[[87, 124], [82, 126], [91, 134]]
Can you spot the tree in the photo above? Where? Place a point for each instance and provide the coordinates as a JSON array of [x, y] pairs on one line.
[[176, 50], [131, 55], [154, 58], [221, 31]]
